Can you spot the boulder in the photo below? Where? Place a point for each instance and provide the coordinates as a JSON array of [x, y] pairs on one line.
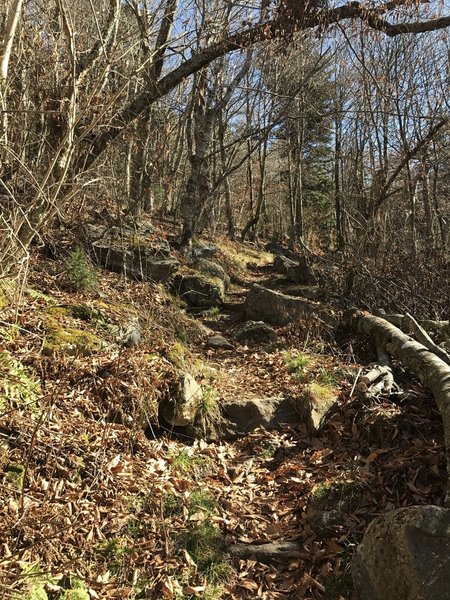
[[277, 308], [255, 331], [139, 263], [297, 272], [204, 250], [243, 415], [405, 555], [198, 289], [278, 249], [148, 266], [130, 334], [181, 408], [218, 342], [281, 264], [212, 269], [315, 404]]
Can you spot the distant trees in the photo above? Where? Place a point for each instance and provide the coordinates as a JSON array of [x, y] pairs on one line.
[[99, 93]]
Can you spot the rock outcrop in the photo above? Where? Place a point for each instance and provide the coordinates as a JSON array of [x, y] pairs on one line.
[[182, 407], [277, 308], [405, 555], [197, 289]]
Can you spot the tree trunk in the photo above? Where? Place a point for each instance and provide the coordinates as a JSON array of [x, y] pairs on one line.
[[431, 370]]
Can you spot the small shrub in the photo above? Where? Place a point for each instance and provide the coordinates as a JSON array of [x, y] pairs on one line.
[[80, 272], [208, 404], [184, 461], [296, 364]]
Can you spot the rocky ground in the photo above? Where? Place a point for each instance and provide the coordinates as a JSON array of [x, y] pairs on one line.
[[103, 497]]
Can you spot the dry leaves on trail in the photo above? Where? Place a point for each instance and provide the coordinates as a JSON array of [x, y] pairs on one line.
[[83, 494]]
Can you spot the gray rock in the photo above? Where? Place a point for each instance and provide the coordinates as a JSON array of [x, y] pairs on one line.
[[204, 250], [212, 269], [278, 309], [276, 248], [297, 272], [316, 403], [132, 335], [113, 259], [218, 342], [145, 265], [405, 555], [199, 290], [181, 409], [281, 264], [256, 331], [241, 416], [138, 263]]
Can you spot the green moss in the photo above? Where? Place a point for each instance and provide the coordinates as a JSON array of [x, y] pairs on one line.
[[184, 461], [322, 391], [69, 340], [15, 474], [37, 593], [327, 495], [10, 333], [77, 591], [88, 313], [34, 581], [176, 354], [187, 272], [17, 388], [36, 295], [75, 595]]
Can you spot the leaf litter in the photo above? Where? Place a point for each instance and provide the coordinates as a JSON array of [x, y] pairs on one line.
[[129, 515]]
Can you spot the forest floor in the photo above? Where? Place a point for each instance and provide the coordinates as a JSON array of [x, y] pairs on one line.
[[92, 508]]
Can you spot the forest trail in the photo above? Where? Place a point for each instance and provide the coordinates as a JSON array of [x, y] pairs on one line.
[[317, 490], [88, 500]]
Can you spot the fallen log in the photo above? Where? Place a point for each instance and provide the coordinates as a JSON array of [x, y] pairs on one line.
[[409, 325], [429, 368], [380, 378]]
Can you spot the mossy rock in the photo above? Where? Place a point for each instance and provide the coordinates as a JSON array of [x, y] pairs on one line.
[[198, 289], [17, 388], [315, 403], [212, 269], [71, 341], [41, 297]]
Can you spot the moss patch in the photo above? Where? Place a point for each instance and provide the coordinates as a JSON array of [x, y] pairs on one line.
[[77, 591], [39, 296], [72, 341], [15, 474]]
